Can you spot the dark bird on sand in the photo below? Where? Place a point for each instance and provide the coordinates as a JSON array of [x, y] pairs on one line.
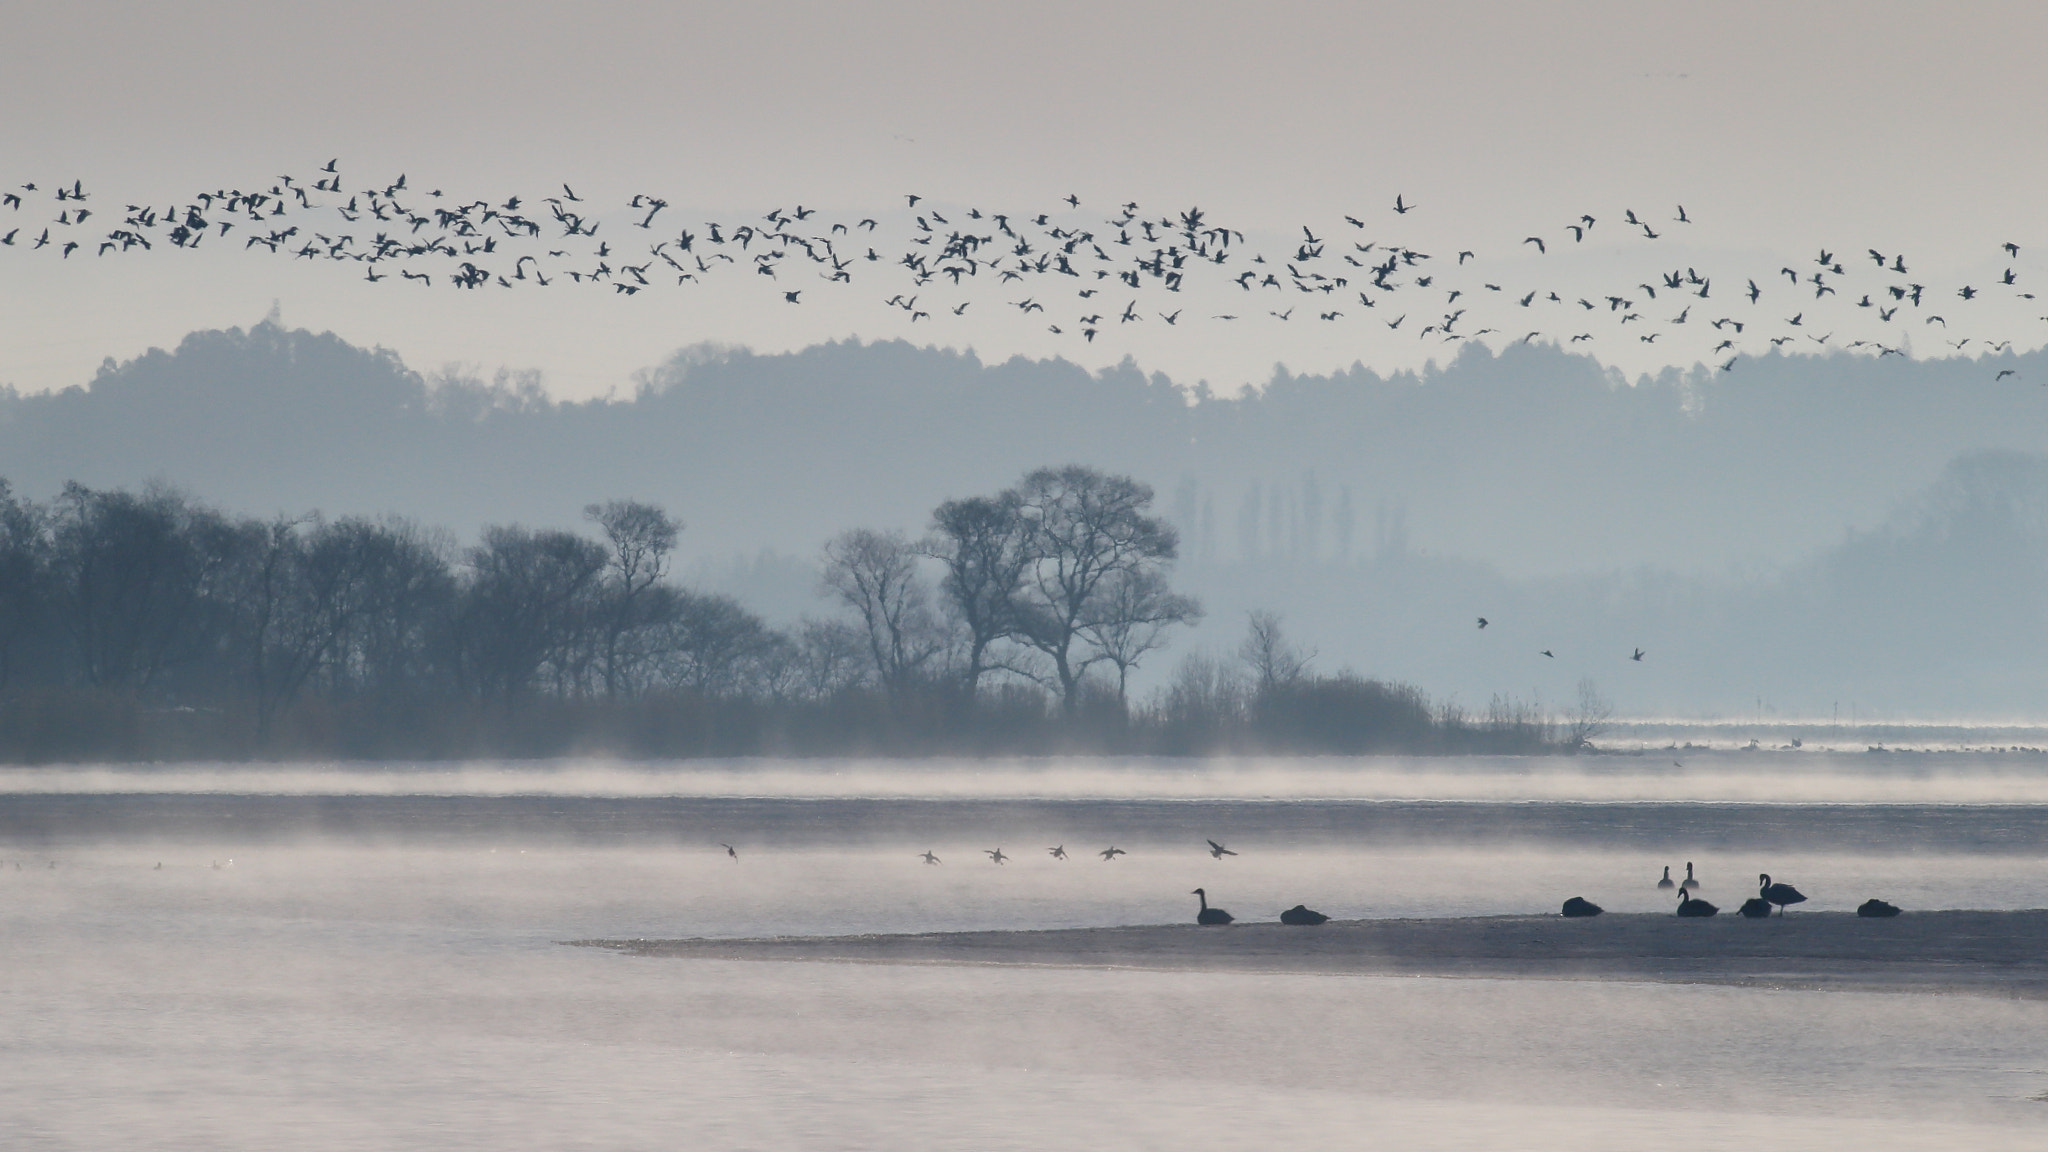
[[1209, 917], [1756, 908], [1218, 851], [1779, 894], [1302, 916], [1667, 882], [1579, 907], [1687, 906], [1876, 908]]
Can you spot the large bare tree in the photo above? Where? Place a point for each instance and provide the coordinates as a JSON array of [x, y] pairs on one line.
[[1089, 533], [640, 536], [983, 542], [875, 574]]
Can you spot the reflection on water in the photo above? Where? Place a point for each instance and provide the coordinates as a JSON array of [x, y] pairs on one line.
[[392, 987]]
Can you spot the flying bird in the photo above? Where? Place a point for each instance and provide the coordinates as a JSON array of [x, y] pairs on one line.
[[1218, 851]]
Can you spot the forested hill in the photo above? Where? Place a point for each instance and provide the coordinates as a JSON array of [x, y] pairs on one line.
[[1798, 532], [1534, 460]]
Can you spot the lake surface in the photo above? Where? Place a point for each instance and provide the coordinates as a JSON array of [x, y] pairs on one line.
[[373, 962]]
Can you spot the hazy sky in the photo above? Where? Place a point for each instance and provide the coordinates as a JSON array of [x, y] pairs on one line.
[[1779, 127]]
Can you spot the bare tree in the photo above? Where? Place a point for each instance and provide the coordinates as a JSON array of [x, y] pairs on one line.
[[24, 571], [527, 606], [641, 537], [982, 542], [1274, 662], [1587, 717], [1088, 530], [875, 574], [1132, 617], [133, 577]]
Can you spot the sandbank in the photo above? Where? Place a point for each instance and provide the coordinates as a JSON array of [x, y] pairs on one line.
[[1984, 953]]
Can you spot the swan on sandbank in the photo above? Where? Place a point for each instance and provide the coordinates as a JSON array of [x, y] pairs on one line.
[[1303, 916], [1779, 894], [1687, 906]]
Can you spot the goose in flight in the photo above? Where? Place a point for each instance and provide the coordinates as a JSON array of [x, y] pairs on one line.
[[1059, 853], [1218, 851], [730, 850], [927, 857], [1112, 852], [996, 856]]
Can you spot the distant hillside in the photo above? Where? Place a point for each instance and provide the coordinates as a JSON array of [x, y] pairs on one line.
[[1796, 525], [1533, 460]]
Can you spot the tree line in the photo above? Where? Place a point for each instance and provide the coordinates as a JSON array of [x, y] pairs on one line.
[[148, 625]]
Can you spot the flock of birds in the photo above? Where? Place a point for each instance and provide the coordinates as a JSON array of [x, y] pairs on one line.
[[1637, 657], [1770, 894], [1078, 270]]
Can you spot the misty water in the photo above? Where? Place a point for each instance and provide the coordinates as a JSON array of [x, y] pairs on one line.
[[337, 957]]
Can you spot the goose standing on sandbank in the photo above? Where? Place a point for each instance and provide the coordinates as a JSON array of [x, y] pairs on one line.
[[1210, 917]]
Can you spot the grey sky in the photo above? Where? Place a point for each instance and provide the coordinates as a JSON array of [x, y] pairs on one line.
[[1780, 127]]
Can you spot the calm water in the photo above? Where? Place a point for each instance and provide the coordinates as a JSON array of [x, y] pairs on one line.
[[372, 969]]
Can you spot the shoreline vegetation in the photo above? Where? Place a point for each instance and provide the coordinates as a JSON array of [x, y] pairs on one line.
[[147, 626]]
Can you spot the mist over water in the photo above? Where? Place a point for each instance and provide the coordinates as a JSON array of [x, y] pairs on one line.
[[374, 962]]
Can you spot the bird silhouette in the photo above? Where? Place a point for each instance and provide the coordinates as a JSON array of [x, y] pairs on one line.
[[927, 857], [996, 856], [1667, 882], [1218, 851], [1878, 909], [1687, 906], [1755, 908], [1301, 916], [1689, 884], [1639, 656], [1058, 853], [730, 851], [1111, 853], [1210, 917], [1781, 895], [1578, 907]]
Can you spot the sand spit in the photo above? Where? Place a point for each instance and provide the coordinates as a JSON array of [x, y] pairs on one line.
[[1986, 953]]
